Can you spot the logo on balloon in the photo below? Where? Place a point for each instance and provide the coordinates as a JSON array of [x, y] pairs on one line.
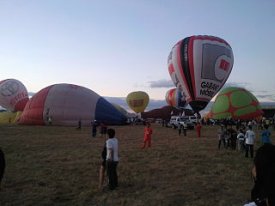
[[9, 88], [222, 67], [220, 58], [136, 102]]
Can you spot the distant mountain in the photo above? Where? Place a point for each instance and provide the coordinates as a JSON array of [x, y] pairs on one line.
[[155, 104]]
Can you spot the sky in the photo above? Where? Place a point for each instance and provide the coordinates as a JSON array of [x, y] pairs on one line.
[[114, 47]]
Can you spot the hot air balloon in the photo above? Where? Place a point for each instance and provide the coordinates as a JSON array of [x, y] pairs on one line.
[[13, 95], [7, 117], [67, 104], [199, 66], [235, 103], [174, 98], [137, 101]]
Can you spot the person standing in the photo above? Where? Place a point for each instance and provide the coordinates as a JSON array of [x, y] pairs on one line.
[[102, 167], [249, 142], [179, 128], [184, 128], [221, 136], [103, 129], [94, 128], [233, 138], [2, 165], [148, 131], [198, 129], [263, 192], [265, 135], [240, 138], [79, 124], [50, 121], [112, 158]]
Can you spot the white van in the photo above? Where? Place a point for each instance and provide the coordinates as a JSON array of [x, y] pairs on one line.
[[174, 121], [189, 120]]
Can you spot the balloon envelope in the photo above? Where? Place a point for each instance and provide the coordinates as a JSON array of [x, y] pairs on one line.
[[119, 108], [7, 117], [66, 104], [137, 101], [13, 95], [235, 103], [175, 98], [199, 66]]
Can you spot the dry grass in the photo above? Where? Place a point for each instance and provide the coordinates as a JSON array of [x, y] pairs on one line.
[[59, 166]]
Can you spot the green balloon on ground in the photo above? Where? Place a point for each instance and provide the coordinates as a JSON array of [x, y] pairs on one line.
[[235, 103]]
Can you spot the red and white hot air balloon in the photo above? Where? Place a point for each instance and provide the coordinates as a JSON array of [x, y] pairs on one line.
[[174, 98], [13, 95], [199, 66]]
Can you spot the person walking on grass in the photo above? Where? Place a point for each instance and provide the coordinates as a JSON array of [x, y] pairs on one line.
[[112, 158], [148, 131]]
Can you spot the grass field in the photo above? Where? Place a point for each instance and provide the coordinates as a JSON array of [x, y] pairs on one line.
[[59, 166]]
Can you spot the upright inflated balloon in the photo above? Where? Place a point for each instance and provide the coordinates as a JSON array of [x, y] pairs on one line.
[[199, 66], [235, 103], [137, 101], [66, 104], [174, 98], [13, 95]]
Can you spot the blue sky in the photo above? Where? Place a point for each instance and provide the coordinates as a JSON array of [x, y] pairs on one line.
[[115, 47]]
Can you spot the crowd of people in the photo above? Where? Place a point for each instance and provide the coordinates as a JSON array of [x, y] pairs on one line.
[[243, 138]]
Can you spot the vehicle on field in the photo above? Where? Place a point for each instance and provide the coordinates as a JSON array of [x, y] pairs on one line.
[[189, 123], [193, 119], [176, 120]]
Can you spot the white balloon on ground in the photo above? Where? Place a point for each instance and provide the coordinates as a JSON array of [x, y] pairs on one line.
[[66, 104]]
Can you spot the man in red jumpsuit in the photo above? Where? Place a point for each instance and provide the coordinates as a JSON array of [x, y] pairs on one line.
[[147, 135]]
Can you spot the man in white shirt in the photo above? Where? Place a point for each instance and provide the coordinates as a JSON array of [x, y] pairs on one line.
[[112, 158], [249, 141]]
